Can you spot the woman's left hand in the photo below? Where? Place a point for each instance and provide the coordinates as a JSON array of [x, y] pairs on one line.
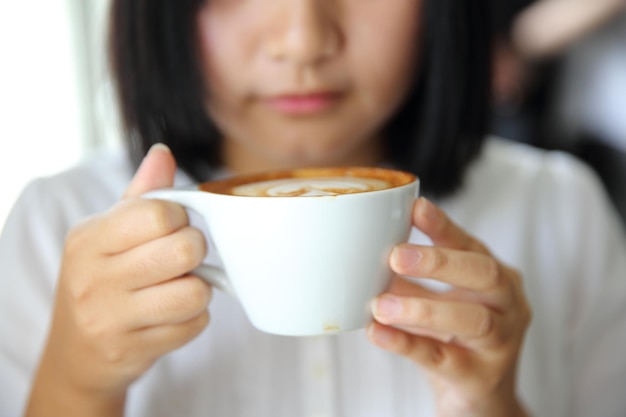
[[468, 339]]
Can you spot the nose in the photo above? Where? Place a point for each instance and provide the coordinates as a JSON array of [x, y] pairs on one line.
[[304, 32]]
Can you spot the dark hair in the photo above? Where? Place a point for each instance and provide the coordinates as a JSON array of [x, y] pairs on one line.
[[436, 134], [504, 14]]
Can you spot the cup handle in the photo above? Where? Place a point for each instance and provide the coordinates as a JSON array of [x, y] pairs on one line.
[[186, 197], [216, 277]]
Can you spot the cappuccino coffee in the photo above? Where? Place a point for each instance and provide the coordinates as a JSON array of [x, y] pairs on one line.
[[304, 251], [311, 182]]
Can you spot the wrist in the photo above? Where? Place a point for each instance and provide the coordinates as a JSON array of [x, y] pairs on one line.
[[53, 394], [497, 408], [503, 403]]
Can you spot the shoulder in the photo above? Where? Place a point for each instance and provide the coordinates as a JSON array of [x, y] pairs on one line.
[[49, 206], [547, 179], [520, 163], [91, 186], [516, 171], [517, 197], [105, 173]]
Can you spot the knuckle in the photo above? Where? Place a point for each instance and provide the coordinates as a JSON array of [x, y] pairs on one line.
[[404, 346], [441, 223], [516, 279], [195, 326], [77, 238], [203, 320], [198, 295], [493, 273], [485, 323], [190, 297], [94, 327], [475, 245], [436, 260], [185, 252], [160, 307], [526, 314], [82, 291], [161, 216], [422, 311], [436, 355], [88, 323], [80, 288], [198, 242], [426, 354], [114, 353], [146, 265]]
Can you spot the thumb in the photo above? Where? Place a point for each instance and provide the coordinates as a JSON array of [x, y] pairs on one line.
[[157, 170]]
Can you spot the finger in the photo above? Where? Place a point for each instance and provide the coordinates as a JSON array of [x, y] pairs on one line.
[[402, 286], [468, 270], [465, 320], [160, 259], [172, 302], [425, 352], [431, 334], [157, 170], [159, 340], [134, 222], [434, 222]]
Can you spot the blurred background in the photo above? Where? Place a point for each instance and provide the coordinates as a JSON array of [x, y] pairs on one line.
[[56, 104], [559, 83]]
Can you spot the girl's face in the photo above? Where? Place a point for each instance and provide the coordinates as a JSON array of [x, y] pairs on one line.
[[306, 82]]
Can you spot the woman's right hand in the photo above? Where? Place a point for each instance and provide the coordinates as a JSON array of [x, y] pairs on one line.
[[124, 299]]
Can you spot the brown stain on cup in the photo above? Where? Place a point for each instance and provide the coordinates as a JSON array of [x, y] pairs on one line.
[[331, 328]]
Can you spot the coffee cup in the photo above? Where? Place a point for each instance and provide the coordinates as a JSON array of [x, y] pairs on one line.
[[304, 251]]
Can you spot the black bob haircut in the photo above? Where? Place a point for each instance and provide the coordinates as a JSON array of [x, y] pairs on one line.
[[436, 133]]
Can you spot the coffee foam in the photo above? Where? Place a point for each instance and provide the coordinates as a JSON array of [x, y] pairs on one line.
[[310, 187], [310, 182]]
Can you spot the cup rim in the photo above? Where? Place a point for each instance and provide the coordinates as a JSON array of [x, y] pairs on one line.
[[399, 178]]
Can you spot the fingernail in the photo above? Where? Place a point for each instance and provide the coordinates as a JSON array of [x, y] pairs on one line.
[[405, 257], [159, 145], [387, 306]]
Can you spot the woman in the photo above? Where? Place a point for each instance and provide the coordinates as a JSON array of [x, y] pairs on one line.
[[240, 86]]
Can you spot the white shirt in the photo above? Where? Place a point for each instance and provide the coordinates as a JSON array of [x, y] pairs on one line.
[[543, 213]]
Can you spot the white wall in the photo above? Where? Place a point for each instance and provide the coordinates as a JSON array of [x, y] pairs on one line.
[[53, 101]]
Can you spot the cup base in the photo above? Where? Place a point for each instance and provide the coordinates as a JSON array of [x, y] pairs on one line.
[[326, 330]]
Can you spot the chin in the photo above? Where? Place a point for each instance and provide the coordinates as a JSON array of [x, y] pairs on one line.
[[303, 155]]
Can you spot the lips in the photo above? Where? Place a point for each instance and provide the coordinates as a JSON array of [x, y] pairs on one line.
[[303, 103]]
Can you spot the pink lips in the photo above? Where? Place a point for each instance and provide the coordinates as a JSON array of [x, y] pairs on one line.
[[303, 104]]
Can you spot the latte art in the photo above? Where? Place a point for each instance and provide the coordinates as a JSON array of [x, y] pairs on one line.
[[310, 187], [310, 182]]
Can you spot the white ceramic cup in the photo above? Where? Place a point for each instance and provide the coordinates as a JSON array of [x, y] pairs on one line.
[[302, 265]]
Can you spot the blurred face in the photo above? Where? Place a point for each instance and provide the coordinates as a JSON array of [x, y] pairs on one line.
[[305, 82]]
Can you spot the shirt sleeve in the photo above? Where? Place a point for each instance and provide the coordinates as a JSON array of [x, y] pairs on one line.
[[598, 338], [30, 252], [599, 335], [596, 314]]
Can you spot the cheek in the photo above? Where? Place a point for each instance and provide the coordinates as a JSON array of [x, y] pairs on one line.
[[222, 52], [385, 84], [388, 77]]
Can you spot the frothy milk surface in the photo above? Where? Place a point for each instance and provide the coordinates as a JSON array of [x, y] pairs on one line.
[[310, 187], [310, 182]]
